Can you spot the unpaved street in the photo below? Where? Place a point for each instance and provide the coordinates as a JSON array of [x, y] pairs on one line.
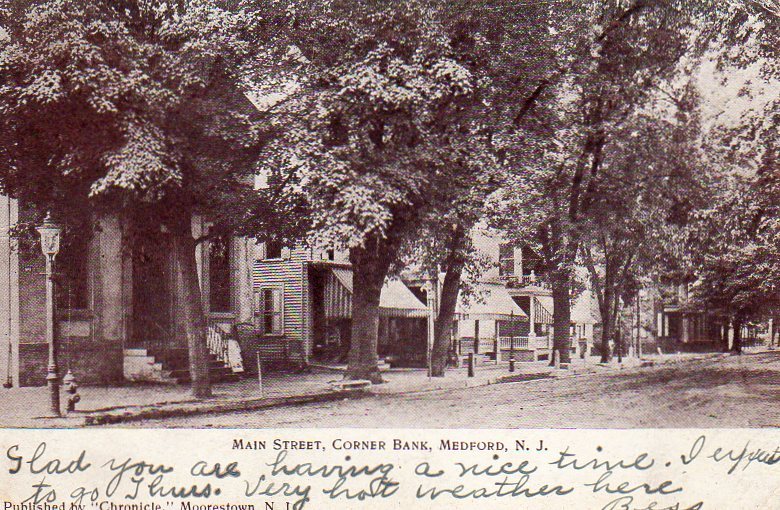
[[737, 391]]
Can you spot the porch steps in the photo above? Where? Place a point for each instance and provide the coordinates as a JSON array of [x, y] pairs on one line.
[[479, 359], [170, 367], [139, 366]]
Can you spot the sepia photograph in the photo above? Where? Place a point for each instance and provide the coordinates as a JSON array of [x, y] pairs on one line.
[[373, 214]]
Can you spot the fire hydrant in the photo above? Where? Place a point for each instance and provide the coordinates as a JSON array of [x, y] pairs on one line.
[[71, 388]]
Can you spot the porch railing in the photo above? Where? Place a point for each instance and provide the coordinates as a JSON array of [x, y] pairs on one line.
[[523, 342], [217, 342], [504, 344]]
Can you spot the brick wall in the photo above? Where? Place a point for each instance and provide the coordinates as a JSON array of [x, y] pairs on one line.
[[92, 361], [32, 364], [32, 298]]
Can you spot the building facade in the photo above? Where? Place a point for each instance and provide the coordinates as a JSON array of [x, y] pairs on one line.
[[117, 317]]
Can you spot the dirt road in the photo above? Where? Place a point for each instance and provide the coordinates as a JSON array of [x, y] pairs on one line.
[[737, 391]]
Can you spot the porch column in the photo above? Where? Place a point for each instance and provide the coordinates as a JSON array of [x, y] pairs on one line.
[[243, 278], [9, 294], [110, 288]]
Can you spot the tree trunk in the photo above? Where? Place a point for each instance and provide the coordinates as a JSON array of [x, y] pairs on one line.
[[607, 326], [725, 339], [561, 291], [369, 265], [736, 345], [449, 301], [188, 300]]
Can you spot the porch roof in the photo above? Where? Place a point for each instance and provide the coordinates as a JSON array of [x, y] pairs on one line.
[[396, 299], [492, 302]]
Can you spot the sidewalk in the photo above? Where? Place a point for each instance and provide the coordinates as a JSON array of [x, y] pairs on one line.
[[27, 407]]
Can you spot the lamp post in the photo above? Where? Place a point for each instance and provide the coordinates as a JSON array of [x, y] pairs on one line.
[[50, 245]]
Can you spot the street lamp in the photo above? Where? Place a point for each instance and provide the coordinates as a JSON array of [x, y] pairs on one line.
[[50, 245]]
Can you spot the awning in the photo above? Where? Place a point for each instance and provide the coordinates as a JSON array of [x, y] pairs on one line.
[[396, 299], [491, 302], [338, 294], [344, 276]]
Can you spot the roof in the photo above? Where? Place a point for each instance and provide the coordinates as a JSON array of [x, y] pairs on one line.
[[582, 310], [491, 302]]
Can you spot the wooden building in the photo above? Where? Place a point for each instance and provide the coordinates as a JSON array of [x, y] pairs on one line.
[[303, 310]]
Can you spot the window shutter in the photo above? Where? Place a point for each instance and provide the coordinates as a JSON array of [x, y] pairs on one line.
[[278, 311]]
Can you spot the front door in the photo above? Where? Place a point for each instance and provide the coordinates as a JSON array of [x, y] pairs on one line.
[[152, 324]]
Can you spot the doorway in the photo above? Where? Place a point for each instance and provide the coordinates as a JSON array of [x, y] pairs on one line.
[[152, 304]]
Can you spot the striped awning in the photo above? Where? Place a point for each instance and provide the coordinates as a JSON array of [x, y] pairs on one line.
[[396, 299], [338, 294], [543, 314]]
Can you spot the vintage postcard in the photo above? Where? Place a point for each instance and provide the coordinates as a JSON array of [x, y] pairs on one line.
[[288, 254]]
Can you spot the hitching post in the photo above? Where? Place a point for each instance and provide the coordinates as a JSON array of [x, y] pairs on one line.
[[471, 364], [512, 353], [259, 374]]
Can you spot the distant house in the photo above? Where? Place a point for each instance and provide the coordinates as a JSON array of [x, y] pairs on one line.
[[510, 309], [671, 323], [520, 270]]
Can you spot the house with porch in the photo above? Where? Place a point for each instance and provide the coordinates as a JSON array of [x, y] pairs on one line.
[[510, 309], [517, 272], [116, 312], [675, 325], [303, 311]]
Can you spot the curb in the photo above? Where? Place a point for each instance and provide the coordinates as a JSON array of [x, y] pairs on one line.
[[124, 415]]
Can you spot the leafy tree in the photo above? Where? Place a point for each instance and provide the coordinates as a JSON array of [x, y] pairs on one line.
[[382, 129], [649, 182], [609, 60], [733, 240], [118, 106]]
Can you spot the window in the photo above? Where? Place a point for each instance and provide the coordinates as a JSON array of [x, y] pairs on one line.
[[273, 250], [506, 260], [270, 310], [220, 291]]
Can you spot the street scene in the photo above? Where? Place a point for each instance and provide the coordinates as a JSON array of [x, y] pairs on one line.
[[727, 392], [432, 214]]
